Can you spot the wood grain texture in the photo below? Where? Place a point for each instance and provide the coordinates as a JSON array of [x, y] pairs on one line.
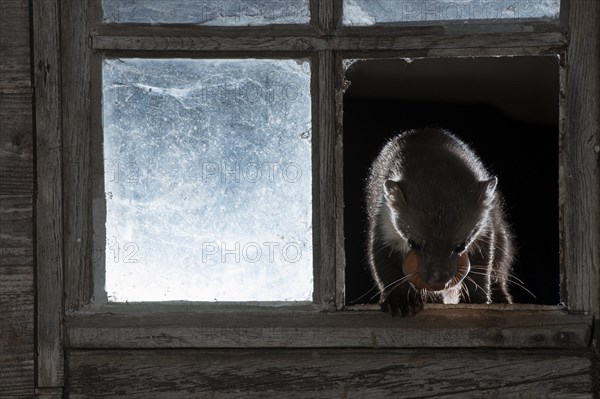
[[16, 245], [326, 215], [49, 228], [14, 44], [342, 373], [156, 326], [16, 143], [49, 393], [76, 204], [596, 349], [17, 374], [16, 345], [580, 160], [325, 17], [340, 250], [340, 43]]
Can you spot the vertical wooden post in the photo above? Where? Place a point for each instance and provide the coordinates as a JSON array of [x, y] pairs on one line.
[[76, 61], [580, 160], [326, 213], [327, 276], [47, 78]]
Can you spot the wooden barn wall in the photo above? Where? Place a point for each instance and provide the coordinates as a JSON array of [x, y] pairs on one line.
[[16, 203], [183, 373]]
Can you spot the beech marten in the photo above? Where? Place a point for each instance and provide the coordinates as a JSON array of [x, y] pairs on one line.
[[437, 229]]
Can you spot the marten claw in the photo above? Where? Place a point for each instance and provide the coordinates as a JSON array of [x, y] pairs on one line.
[[400, 301]]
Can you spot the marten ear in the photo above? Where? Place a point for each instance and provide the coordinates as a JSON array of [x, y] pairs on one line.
[[393, 191], [487, 190]]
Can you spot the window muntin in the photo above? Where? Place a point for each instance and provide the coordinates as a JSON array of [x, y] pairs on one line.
[[371, 12], [207, 12], [207, 180]]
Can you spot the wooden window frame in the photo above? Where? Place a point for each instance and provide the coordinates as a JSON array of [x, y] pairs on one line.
[[69, 43]]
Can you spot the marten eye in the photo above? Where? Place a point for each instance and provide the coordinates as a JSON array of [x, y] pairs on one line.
[[413, 245], [460, 247]]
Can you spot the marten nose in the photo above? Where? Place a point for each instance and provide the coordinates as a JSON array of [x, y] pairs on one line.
[[438, 280]]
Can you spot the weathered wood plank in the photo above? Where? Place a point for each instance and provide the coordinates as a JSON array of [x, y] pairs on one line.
[[328, 14], [596, 349], [343, 373], [16, 245], [76, 208], [49, 393], [325, 17], [325, 217], [16, 144], [337, 118], [16, 345], [580, 161], [16, 204], [341, 43], [14, 44], [46, 42], [156, 326]]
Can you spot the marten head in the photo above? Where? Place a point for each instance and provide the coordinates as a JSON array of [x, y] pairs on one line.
[[438, 220]]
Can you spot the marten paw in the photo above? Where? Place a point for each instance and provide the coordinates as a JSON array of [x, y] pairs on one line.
[[403, 300]]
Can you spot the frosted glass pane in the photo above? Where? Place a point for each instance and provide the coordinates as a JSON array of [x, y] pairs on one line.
[[207, 12], [208, 180], [370, 12]]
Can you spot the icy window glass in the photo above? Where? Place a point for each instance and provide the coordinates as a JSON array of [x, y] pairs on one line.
[[207, 174], [370, 12], [207, 12]]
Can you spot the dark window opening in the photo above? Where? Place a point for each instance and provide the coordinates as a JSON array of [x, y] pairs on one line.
[[505, 108]]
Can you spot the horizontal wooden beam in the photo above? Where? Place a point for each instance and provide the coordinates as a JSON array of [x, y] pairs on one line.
[[148, 326], [107, 42], [423, 373]]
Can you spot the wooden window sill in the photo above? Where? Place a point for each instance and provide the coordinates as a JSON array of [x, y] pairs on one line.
[[438, 326]]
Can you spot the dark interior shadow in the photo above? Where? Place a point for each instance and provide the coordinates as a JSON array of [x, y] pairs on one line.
[[505, 108]]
